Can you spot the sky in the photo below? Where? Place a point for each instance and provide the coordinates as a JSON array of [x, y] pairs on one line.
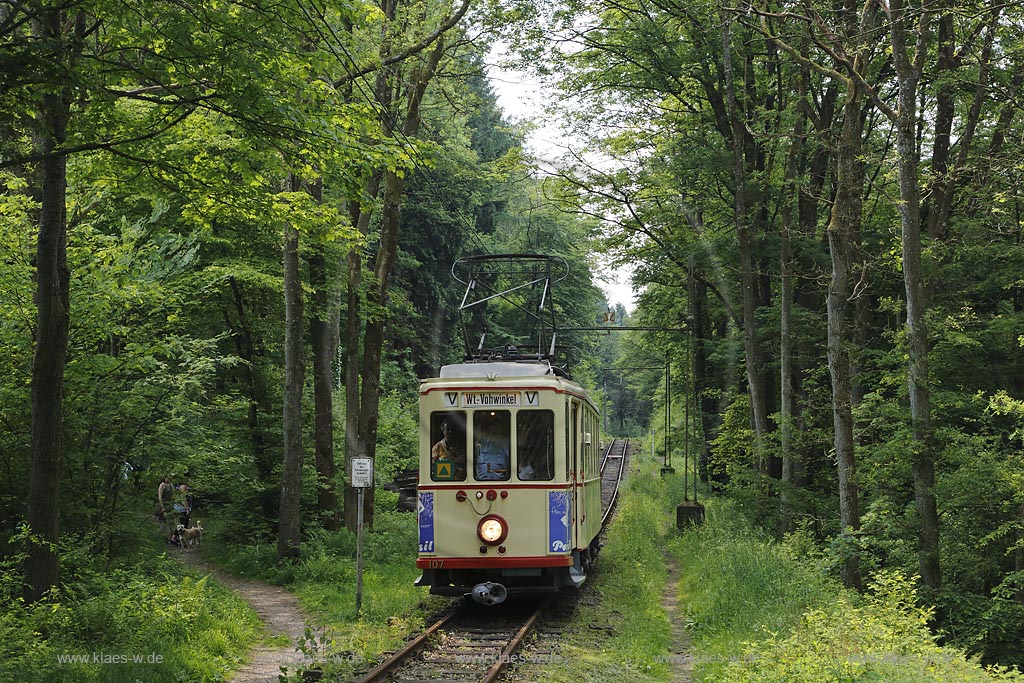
[[521, 97]]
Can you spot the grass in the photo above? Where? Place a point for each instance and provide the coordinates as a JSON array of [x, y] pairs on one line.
[[737, 585], [150, 619], [621, 632], [768, 612], [756, 610], [323, 578]]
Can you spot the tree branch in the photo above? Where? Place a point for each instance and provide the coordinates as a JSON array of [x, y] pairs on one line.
[[410, 51]]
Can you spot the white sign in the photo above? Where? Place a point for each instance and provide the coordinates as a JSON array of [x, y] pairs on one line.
[[362, 473], [491, 400]]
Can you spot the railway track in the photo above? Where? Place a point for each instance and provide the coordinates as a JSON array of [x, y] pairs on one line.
[[474, 644], [471, 644], [613, 464]]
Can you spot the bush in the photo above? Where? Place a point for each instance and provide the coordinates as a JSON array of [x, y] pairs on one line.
[[127, 625], [739, 584], [765, 611], [885, 638]]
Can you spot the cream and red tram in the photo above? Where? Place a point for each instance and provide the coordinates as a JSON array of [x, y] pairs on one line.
[[509, 482]]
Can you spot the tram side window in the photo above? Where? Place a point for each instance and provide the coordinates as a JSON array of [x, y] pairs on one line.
[[535, 445], [491, 442], [448, 446]]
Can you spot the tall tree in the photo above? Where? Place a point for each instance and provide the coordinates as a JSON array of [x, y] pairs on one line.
[[399, 97], [909, 63], [786, 298], [89, 79], [289, 534], [323, 332], [52, 26], [746, 237], [842, 229], [851, 52]]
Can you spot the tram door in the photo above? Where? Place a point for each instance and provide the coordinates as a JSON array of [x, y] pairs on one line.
[[577, 473]]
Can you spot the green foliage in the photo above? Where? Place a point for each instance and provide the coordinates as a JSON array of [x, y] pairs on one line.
[[737, 584], [766, 611], [17, 322], [734, 444], [153, 621], [397, 437], [883, 638], [624, 635]]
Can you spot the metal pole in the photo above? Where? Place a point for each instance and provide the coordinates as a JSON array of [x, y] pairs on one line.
[[604, 382], [696, 408], [359, 550], [668, 409], [686, 448], [621, 415]]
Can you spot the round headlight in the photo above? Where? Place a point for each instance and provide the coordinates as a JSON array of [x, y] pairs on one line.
[[492, 529]]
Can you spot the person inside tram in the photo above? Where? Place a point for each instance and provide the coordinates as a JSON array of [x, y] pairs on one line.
[[491, 453], [447, 449]]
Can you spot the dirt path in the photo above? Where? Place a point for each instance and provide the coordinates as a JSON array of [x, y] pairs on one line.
[[681, 660], [280, 613]]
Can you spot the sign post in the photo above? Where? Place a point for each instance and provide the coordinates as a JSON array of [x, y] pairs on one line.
[[362, 479]]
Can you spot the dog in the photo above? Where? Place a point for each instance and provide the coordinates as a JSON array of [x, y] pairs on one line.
[[191, 537]]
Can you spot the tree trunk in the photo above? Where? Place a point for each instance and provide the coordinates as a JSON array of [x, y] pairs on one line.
[[353, 344], [373, 337], [324, 336], [908, 74], [786, 315], [42, 568], [745, 240], [323, 331], [353, 323], [842, 226], [289, 535]]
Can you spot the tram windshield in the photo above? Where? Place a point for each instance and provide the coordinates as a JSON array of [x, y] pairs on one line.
[[491, 439], [535, 445], [448, 446]]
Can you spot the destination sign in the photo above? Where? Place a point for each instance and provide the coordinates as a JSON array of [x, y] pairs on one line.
[[509, 399]]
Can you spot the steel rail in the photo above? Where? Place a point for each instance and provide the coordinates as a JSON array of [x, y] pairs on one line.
[[604, 456], [382, 669], [514, 644], [618, 480]]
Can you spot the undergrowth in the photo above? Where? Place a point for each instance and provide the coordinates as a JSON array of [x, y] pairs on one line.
[[764, 611], [338, 640], [755, 610], [151, 620], [621, 633]]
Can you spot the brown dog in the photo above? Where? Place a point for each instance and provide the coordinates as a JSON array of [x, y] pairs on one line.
[[191, 537]]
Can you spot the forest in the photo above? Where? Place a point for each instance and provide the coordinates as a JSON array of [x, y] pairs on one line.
[[228, 227]]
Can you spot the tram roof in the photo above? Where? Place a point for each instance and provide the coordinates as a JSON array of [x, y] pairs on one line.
[[499, 369]]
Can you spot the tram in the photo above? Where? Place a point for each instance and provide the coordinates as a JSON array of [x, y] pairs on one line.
[[509, 491]]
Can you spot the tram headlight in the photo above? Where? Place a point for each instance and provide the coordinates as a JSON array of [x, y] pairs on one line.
[[492, 529]]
